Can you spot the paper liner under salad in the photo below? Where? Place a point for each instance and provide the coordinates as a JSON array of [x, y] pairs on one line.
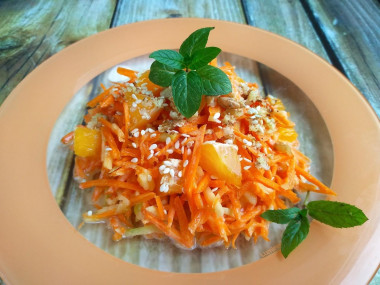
[[199, 181]]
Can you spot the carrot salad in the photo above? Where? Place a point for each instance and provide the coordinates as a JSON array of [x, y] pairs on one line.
[[198, 181]]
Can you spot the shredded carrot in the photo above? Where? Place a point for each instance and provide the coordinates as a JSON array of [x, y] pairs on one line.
[[110, 183], [68, 138], [127, 72], [148, 168]]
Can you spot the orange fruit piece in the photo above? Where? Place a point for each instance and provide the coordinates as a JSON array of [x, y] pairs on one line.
[[86, 142], [287, 134], [222, 161], [143, 109]]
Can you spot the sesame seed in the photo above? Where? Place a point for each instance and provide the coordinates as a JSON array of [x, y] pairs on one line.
[[161, 168], [142, 132], [153, 146], [252, 111], [247, 160], [149, 177], [108, 148], [171, 172], [213, 177], [180, 174], [89, 213], [134, 145], [166, 170], [149, 156], [218, 121], [255, 122], [188, 151], [184, 141], [134, 105], [150, 130], [153, 135], [185, 163], [170, 151], [176, 145], [229, 141], [185, 135], [136, 135], [216, 116], [247, 142], [134, 130], [164, 187], [240, 158], [134, 160], [134, 96], [247, 167], [165, 212], [168, 163], [168, 139], [220, 127], [182, 149], [214, 189]]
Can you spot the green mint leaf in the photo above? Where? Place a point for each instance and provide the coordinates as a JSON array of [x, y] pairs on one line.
[[187, 92], [336, 214], [169, 57], [295, 233], [281, 216], [196, 41], [161, 74], [202, 57], [215, 82]]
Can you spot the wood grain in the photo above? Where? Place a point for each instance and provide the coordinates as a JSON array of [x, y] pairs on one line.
[[134, 11], [286, 18], [352, 29], [32, 31]]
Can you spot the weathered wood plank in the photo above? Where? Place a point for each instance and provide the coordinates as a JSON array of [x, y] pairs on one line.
[[32, 31], [352, 29], [286, 18], [134, 11]]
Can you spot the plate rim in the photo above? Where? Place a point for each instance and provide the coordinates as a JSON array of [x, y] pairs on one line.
[[18, 95]]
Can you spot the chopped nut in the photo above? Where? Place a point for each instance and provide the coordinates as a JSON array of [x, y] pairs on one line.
[[228, 103]]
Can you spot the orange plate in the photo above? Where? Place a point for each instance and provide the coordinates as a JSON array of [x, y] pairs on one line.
[[39, 246]]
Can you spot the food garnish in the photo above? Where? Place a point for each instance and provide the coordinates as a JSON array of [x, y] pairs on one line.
[[165, 161]]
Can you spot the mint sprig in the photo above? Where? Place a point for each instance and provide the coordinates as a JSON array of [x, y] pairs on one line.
[[188, 72], [335, 214]]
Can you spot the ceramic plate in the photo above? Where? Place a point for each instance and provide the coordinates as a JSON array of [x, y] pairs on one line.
[[38, 245]]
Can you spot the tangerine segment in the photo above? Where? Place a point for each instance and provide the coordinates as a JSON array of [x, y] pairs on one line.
[[143, 109], [222, 161], [287, 134], [86, 142]]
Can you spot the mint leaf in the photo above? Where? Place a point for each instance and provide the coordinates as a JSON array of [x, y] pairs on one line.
[[295, 233], [336, 214], [187, 92], [196, 41], [203, 56], [161, 74], [215, 82], [281, 216], [169, 57]]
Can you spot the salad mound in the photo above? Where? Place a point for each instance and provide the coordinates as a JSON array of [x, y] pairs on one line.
[[199, 181]]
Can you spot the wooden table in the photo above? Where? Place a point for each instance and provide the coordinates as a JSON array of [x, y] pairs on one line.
[[346, 33]]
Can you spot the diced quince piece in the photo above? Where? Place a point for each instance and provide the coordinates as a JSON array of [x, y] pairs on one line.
[[222, 161], [287, 134], [172, 183], [86, 142], [143, 109], [144, 178]]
